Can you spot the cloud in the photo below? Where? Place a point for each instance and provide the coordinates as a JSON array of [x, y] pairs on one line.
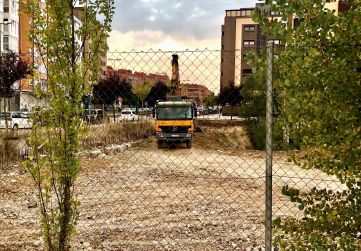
[[148, 39], [187, 19]]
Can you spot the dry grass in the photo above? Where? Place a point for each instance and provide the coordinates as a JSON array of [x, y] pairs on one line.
[[117, 133], [232, 139], [9, 153], [219, 123]]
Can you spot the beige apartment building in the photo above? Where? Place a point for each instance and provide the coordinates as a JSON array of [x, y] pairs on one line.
[[240, 35]]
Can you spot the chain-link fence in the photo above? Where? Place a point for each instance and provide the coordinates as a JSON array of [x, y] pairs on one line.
[[170, 161]]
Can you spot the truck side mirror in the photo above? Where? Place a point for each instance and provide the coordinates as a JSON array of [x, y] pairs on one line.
[[153, 112], [195, 112]]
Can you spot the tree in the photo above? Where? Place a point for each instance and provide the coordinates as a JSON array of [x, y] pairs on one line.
[[12, 69], [142, 91], [320, 89], [210, 101], [110, 88], [158, 91], [230, 95], [71, 54]]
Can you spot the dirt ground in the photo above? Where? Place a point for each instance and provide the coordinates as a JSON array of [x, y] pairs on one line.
[[138, 197]]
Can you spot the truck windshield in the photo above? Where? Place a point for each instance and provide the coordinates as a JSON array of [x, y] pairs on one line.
[[174, 113]]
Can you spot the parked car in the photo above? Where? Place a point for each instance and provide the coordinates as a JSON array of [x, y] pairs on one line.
[[128, 114], [16, 120]]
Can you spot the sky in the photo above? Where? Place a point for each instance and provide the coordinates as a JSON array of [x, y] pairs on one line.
[[170, 24]]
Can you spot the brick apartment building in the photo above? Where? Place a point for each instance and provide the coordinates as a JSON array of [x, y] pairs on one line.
[[196, 92], [139, 77], [193, 91], [240, 35]]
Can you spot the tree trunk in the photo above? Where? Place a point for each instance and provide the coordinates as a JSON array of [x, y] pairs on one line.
[[114, 112], [66, 215], [6, 117]]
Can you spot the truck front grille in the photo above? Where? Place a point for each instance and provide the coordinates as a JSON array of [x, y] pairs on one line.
[[175, 129]]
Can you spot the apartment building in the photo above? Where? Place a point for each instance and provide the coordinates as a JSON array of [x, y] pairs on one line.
[[9, 28], [135, 78], [27, 97], [78, 13], [196, 92], [9, 36], [240, 35]]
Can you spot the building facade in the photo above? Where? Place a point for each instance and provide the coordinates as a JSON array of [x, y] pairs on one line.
[[135, 78], [9, 38], [9, 25], [196, 92], [27, 97], [240, 35]]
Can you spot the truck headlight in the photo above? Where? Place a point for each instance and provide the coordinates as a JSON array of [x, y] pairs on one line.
[[160, 134], [189, 135]]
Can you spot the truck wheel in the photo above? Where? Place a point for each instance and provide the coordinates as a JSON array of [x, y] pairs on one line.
[[159, 144], [15, 127], [189, 144]]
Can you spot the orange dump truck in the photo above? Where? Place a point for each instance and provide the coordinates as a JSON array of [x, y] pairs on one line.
[[174, 121]]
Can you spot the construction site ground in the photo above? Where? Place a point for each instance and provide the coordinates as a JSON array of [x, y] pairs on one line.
[[138, 197]]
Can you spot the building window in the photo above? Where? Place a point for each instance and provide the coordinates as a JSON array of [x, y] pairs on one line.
[[248, 43], [275, 41], [222, 33], [244, 57], [247, 71], [6, 6], [246, 13], [6, 27], [6, 43], [296, 22], [275, 13], [249, 28]]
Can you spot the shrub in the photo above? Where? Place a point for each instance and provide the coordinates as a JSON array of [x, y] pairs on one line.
[[257, 133]]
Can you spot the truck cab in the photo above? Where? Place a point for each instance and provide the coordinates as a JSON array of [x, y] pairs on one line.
[[174, 121]]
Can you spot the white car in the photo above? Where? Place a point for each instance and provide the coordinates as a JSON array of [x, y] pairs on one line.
[[128, 114], [16, 120]]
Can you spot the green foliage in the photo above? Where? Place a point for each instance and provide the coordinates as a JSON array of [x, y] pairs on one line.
[[257, 132], [210, 101], [320, 87], [142, 91], [254, 89], [230, 95], [157, 92], [253, 107], [57, 132]]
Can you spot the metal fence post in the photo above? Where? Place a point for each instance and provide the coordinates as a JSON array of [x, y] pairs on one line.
[[269, 114]]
